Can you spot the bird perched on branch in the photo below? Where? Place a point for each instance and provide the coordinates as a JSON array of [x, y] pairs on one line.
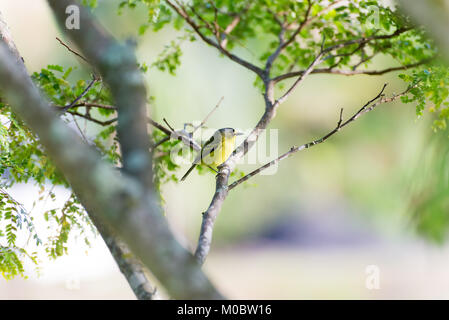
[[216, 150]]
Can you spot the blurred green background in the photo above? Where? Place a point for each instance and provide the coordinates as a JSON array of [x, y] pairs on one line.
[[309, 231]]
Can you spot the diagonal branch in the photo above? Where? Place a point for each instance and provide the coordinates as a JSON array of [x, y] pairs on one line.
[[72, 51], [301, 26], [369, 106], [85, 91], [301, 78], [208, 115]]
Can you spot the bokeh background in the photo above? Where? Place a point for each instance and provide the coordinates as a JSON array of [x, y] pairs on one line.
[[310, 230]]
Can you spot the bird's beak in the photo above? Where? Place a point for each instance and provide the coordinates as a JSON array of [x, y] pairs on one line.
[[238, 133]]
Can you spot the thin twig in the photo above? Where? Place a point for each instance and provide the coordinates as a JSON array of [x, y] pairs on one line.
[[208, 116], [301, 78], [86, 90], [166, 122], [157, 144], [79, 129], [72, 51], [180, 10]]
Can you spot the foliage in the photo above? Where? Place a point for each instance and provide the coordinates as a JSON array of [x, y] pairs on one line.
[[430, 89], [14, 219], [69, 218], [170, 58]]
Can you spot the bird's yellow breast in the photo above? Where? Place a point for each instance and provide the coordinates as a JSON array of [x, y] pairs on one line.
[[219, 155]]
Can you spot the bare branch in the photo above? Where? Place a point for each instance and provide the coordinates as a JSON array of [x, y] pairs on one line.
[[131, 268], [86, 90], [301, 77], [72, 51], [168, 125], [129, 265], [361, 42], [369, 106], [163, 140], [187, 140], [231, 26], [221, 186]]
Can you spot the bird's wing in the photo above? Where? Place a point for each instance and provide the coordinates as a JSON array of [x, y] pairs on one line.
[[211, 146]]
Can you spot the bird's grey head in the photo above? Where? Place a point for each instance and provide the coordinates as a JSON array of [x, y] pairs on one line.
[[228, 132]]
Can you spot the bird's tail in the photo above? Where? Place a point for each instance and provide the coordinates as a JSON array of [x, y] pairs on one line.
[[188, 171]]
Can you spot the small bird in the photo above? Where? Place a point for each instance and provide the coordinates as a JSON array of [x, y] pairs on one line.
[[216, 150]]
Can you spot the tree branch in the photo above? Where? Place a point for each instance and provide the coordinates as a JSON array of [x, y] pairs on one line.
[[6, 38], [85, 91], [72, 51], [369, 106], [301, 78], [352, 72], [208, 115]]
